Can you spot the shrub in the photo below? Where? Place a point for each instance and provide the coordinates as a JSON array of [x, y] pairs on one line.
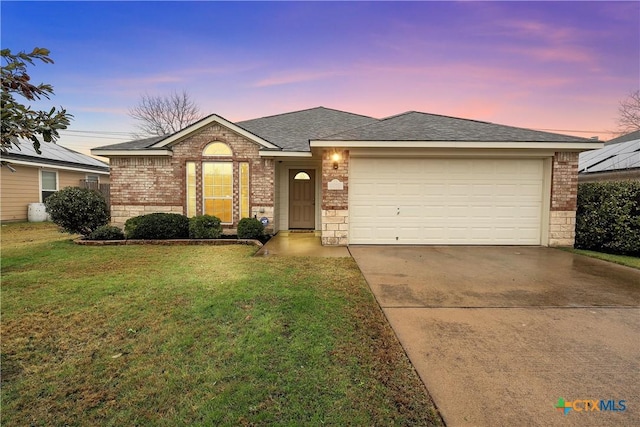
[[158, 226], [608, 217], [250, 228], [78, 210], [205, 227], [106, 232], [131, 224]]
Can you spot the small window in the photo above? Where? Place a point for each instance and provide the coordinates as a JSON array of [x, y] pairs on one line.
[[48, 183], [244, 190], [93, 178], [302, 176], [217, 149], [191, 189]]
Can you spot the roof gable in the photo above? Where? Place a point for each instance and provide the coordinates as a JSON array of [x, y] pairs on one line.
[[161, 145], [416, 126], [207, 121]]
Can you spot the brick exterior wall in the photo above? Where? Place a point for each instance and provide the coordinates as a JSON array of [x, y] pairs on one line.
[[141, 185], [335, 203], [564, 196]]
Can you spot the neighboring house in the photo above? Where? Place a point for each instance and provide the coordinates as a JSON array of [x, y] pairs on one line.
[[413, 178], [618, 160], [36, 176]]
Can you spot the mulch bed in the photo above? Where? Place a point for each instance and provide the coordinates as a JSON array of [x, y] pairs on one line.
[[212, 242]]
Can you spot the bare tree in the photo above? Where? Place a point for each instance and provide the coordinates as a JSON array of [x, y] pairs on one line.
[[164, 115], [629, 113]]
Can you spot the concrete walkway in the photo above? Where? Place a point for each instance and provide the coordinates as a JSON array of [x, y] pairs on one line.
[[288, 243], [499, 334]]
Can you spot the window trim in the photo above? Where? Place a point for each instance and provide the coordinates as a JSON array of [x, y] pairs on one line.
[[204, 198], [304, 176], [212, 143], [191, 213], [241, 184], [42, 190]]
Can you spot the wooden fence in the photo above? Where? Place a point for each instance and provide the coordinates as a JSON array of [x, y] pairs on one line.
[[104, 189]]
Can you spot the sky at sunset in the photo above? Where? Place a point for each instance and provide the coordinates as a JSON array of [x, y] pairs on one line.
[[561, 66]]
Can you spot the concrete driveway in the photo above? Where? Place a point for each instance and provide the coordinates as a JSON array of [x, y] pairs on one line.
[[499, 334]]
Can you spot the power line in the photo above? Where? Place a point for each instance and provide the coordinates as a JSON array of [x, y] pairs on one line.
[[577, 131], [119, 136], [104, 132], [97, 137]]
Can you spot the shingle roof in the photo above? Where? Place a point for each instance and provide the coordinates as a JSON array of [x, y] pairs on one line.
[[137, 144], [416, 126], [292, 131], [624, 138], [54, 154]]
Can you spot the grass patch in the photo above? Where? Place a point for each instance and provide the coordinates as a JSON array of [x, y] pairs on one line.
[[194, 335], [627, 260]]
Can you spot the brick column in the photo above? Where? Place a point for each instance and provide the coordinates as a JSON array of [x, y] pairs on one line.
[[335, 199], [564, 195]]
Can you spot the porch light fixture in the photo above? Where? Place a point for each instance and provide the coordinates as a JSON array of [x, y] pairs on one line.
[[336, 158]]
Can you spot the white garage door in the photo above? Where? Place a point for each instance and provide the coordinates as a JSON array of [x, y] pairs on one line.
[[445, 201]]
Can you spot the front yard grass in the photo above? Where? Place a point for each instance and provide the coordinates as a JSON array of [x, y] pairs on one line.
[[629, 261], [194, 335]]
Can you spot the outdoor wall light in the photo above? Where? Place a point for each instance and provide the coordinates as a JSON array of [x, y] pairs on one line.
[[336, 158]]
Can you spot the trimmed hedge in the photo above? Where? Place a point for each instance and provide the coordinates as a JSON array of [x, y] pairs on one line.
[[250, 228], [157, 226], [205, 227], [106, 232], [608, 217], [78, 210], [131, 224]]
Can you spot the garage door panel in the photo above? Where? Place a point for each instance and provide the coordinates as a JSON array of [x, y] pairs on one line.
[[409, 189], [481, 212], [433, 213], [386, 232], [446, 201]]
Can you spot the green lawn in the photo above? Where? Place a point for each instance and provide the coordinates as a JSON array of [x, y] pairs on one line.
[[629, 261], [194, 335]]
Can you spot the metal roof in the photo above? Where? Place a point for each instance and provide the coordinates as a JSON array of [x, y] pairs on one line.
[[623, 155], [53, 154]]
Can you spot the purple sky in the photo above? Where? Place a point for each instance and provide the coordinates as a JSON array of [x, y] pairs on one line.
[[543, 65]]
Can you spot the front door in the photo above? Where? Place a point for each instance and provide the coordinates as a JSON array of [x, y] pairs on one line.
[[302, 200]]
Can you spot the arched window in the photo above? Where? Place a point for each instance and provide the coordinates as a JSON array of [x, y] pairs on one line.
[[217, 149], [302, 176]]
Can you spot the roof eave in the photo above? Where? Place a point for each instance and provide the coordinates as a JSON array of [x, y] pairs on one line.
[[273, 153], [61, 165], [137, 152], [560, 145]]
